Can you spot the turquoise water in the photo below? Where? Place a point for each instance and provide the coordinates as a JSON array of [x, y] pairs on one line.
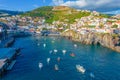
[[102, 62]]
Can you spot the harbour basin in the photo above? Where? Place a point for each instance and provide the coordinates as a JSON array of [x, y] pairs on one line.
[[99, 61]]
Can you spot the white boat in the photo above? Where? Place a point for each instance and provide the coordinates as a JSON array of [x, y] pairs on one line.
[[56, 67], [64, 51], [55, 50], [40, 65], [44, 45], [80, 69], [75, 45], [48, 60]]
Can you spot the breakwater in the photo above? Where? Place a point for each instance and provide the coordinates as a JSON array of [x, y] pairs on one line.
[[106, 40], [7, 59]]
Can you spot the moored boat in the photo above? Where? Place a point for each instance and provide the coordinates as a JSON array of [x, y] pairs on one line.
[[48, 60], [44, 45], [75, 45], [56, 67], [72, 55], [40, 65], [55, 50], [80, 69], [64, 51]]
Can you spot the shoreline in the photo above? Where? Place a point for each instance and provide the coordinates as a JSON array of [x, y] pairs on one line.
[[105, 40]]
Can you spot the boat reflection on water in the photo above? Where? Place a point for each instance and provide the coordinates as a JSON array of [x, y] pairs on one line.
[[50, 51], [58, 59], [92, 75]]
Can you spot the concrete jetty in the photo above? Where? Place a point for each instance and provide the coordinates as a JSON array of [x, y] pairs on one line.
[[7, 58], [3, 65]]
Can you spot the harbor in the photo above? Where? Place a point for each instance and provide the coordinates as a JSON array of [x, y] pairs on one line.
[[35, 53], [59, 40], [55, 57]]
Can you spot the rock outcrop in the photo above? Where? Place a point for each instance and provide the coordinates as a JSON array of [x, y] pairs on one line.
[[106, 40]]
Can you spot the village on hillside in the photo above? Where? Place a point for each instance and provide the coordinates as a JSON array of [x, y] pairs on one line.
[[92, 23]]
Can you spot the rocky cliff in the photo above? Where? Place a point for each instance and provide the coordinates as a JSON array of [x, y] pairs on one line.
[[106, 40]]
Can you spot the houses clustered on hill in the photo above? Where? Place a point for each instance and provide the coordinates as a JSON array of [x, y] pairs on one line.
[[23, 23], [91, 23]]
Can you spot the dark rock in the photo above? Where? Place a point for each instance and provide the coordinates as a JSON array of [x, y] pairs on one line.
[[105, 40]]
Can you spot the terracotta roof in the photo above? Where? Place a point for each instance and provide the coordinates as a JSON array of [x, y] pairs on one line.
[[118, 22]]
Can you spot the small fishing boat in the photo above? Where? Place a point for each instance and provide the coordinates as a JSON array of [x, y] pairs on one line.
[[56, 67], [75, 45], [44, 45], [80, 69], [40, 65], [64, 51], [48, 60], [55, 50], [72, 55]]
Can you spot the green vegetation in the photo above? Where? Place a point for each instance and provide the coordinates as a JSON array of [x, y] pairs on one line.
[[110, 21], [55, 15], [115, 26], [60, 13], [91, 26], [115, 35], [44, 29], [40, 12], [104, 15], [72, 17]]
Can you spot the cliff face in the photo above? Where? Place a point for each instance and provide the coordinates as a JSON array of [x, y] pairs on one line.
[[106, 40]]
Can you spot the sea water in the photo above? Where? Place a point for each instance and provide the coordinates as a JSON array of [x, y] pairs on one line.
[[101, 62]]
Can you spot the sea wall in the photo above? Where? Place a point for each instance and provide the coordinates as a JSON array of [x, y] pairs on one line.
[[106, 40]]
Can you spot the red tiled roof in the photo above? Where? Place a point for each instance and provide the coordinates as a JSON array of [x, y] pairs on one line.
[[118, 22]]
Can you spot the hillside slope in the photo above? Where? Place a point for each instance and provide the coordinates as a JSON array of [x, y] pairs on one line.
[[60, 13]]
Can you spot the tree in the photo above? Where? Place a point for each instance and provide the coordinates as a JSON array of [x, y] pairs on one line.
[[115, 26]]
